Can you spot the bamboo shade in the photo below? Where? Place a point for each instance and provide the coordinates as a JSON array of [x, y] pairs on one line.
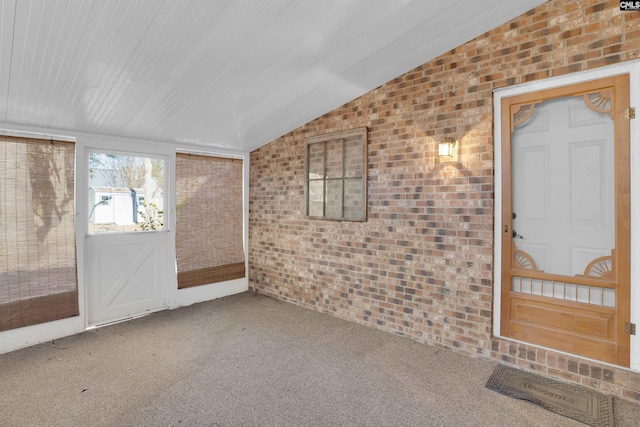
[[209, 224], [38, 280]]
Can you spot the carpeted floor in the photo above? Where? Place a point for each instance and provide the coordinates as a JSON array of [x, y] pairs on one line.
[[249, 360]]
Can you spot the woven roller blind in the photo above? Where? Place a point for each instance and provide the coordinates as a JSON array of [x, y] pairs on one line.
[[209, 224], [37, 234]]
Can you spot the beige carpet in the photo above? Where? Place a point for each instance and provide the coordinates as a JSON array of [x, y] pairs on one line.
[[252, 361]]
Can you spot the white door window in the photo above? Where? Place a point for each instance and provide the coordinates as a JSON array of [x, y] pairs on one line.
[[125, 193]]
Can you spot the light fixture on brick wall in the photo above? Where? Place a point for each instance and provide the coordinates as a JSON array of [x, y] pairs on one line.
[[445, 147]]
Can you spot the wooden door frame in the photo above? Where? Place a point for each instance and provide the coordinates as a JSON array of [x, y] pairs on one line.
[[545, 88], [613, 318]]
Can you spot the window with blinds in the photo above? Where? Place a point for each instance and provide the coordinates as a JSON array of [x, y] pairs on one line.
[[38, 280], [209, 220]]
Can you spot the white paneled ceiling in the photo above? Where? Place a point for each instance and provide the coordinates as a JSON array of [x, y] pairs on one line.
[[221, 73]]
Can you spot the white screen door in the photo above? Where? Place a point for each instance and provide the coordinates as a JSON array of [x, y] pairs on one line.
[[126, 238]]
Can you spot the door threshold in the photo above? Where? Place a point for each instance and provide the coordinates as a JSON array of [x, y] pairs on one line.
[[123, 319]]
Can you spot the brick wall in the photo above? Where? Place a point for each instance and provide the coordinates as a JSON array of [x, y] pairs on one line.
[[421, 266]]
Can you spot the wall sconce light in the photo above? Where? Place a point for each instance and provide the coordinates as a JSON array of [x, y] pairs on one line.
[[445, 147]]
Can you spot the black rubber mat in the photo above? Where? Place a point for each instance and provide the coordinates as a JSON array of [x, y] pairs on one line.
[[573, 401]]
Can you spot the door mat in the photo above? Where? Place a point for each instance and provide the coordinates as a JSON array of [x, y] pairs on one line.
[[573, 401]]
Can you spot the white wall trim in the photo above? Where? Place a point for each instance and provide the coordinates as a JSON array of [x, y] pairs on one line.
[[198, 294], [633, 69], [15, 339], [36, 135], [212, 154]]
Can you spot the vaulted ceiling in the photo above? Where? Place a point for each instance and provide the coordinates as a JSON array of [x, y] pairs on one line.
[[231, 74]]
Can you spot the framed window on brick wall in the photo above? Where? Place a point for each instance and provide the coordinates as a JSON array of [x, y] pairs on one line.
[[336, 176]]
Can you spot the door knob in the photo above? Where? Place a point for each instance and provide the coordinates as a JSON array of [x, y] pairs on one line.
[[516, 235]]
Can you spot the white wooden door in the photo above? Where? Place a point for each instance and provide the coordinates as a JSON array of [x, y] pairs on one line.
[[126, 240]]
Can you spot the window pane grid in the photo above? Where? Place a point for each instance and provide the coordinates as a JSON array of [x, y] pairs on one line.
[[336, 176]]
